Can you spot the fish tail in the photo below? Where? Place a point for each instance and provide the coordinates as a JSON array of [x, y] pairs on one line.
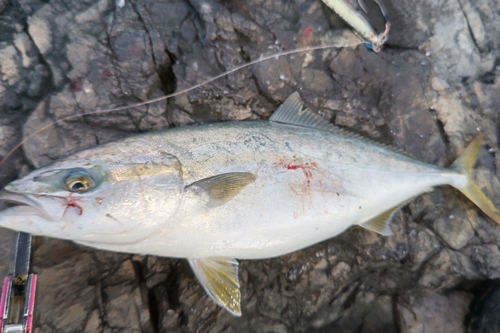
[[464, 164]]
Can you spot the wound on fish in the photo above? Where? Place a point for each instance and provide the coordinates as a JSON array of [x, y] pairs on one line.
[[302, 188], [306, 168], [72, 203]]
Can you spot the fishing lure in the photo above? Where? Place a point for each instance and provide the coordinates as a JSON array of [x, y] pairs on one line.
[[360, 23]]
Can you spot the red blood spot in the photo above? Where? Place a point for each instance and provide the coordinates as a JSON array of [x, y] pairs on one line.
[[293, 166], [107, 73], [306, 168], [307, 31], [72, 203], [76, 85]]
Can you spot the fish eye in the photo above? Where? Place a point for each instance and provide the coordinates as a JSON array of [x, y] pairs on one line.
[[79, 181]]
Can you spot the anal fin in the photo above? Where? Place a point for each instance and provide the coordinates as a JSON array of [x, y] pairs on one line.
[[381, 223], [219, 278]]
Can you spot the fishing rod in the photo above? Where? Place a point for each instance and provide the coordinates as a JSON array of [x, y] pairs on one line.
[[17, 303]]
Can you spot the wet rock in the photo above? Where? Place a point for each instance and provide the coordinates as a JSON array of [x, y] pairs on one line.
[[434, 313], [484, 259], [374, 316], [89, 289], [455, 232], [432, 89], [484, 316], [100, 56], [41, 33]]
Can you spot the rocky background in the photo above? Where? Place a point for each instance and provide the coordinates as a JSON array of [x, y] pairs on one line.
[[429, 92]]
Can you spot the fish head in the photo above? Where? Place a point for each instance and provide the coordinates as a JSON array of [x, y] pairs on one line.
[[107, 195]]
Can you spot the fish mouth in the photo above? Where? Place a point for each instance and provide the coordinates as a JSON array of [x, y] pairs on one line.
[[47, 207]]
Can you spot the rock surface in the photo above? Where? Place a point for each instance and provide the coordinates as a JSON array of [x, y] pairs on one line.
[[429, 92]]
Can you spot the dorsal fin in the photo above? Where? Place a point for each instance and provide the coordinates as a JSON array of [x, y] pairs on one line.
[[292, 112]]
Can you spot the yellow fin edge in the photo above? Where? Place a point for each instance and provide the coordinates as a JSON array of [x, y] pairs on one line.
[[381, 223], [219, 278], [464, 164]]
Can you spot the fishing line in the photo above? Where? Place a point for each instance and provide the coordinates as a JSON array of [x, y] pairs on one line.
[[237, 68]]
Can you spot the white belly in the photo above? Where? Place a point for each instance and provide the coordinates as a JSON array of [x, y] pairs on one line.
[[286, 212]]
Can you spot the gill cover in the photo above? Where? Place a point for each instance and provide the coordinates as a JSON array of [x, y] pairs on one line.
[[117, 193]]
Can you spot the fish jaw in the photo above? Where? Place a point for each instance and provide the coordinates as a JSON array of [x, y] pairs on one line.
[[50, 207], [83, 219], [32, 214]]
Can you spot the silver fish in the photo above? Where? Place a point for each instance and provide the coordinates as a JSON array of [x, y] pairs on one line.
[[213, 193]]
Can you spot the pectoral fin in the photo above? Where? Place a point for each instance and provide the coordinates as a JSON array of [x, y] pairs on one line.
[[219, 278], [224, 187], [381, 223]]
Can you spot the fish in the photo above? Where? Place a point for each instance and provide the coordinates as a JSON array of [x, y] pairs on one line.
[[216, 193]]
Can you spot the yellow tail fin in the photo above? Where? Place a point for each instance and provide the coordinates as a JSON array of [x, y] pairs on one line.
[[464, 164]]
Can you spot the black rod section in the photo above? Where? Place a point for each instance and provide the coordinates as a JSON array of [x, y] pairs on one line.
[[23, 256]]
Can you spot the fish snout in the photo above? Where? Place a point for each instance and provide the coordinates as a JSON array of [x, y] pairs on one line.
[[51, 208]]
